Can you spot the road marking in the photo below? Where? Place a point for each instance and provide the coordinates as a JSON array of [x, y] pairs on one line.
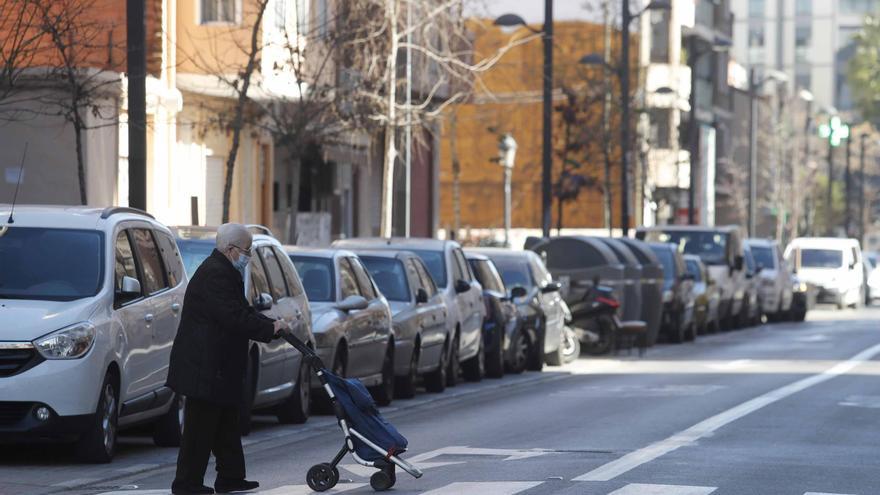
[[645, 489], [77, 482], [305, 490], [508, 454], [136, 468], [868, 401], [824, 493], [687, 437], [485, 487], [358, 470]]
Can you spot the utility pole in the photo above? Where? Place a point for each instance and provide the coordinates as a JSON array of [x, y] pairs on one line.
[[862, 138], [137, 103], [546, 152], [847, 218], [753, 153], [408, 130], [626, 18], [829, 226], [606, 112], [693, 133]]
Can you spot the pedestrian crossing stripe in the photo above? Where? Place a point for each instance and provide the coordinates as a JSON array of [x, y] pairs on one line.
[[473, 487]]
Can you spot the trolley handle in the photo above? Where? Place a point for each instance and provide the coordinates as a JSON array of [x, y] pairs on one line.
[[307, 352]]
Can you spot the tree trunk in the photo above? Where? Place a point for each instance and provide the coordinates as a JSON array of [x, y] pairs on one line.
[[606, 116], [80, 162], [238, 120], [456, 176], [387, 210]]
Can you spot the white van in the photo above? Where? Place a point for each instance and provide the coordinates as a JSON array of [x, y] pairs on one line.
[[834, 266]]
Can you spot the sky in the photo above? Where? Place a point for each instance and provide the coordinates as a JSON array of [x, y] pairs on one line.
[[533, 10]]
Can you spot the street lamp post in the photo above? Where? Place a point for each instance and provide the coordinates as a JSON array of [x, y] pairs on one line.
[[754, 85], [506, 156], [834, 131], [862, 138], [510, 20]]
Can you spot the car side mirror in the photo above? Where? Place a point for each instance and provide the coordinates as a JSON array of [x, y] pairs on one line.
[[263, 302], [421, 296], [131, 287], [352, 303], [462, 286], [518, 291], [551, 287]]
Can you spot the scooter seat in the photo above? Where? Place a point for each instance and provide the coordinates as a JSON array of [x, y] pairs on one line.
[[633, 327]]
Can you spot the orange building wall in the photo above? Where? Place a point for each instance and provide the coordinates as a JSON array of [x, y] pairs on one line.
[[212, 48], [517, 82]]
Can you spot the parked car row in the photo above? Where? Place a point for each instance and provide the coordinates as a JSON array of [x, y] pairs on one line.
[[91, 302]]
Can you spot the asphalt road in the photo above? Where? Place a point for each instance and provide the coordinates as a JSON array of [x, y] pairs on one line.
[[779, 409]]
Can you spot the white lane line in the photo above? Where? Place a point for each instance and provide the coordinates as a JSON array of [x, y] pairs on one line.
[[645, 489], [76, 482], [824, 493], [485, 487], [687, 437], [305, 490], [138, 492]]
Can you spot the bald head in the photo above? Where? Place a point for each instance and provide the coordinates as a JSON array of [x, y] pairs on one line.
[[233, 235]]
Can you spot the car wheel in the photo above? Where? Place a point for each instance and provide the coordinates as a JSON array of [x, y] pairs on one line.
[[383, 394], [495, 359], [435, 381], [98, 442], [676, 329], [295, 409], [692, 333], [474, 368], [452, 373], [249, 390], [520, 352], [536, 354], [405, 388], [169, 429]]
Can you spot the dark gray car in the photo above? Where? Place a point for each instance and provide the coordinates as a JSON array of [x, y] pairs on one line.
[[418, 315], [351, 319]]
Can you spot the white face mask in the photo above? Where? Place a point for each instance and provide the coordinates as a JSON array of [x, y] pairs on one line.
[[241, 263]]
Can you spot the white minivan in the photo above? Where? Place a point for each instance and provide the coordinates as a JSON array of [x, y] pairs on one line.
[[90, 301], [833, 265]]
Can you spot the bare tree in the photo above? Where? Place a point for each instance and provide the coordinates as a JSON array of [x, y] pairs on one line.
[[19, 42]]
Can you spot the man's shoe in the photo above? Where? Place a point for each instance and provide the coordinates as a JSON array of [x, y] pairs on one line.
[[230, 486], [192, 490]]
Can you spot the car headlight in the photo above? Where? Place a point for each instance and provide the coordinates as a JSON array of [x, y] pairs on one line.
[[68, 343], [800, 287], [667, 296]]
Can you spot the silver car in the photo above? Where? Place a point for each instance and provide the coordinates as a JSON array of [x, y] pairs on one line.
[[277, 377], [461, 292], [418, 318], [775, 277], [351, 319]]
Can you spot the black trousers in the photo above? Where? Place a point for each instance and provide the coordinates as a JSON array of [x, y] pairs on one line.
[[209, 428]]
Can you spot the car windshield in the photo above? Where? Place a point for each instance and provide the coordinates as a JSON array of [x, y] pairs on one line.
[[50, 264], [665, 257], [764, 256], [193, 253], [435, 263], [389, 277], [514, 272], [711, 247], [317, 277], [693, 268], [821, 258]]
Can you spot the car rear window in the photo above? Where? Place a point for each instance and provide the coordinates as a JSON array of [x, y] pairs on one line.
[[389, 276], [710, 246], [821, 258], [764, 256], [50, 264], [666, 259], [317, 277], [436, 265], [515, 272]]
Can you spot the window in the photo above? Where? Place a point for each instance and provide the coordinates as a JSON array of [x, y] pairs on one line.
[[125, 266], [273, 270], [756, 32], [323, 18], [659, 36], [802, 77], [821, 258], [317, 277], [220, 11], [194, 253], [803, 7], [436, 264], [664, 254], [463, 268], [427, 280], [487, 276], [803, 35], [515, 272], [174, 269], [258, 279], [151, 263], [347, 281], [276, 199], [280, 20], [390, 277], [764, 256], [289, 195], [294, 285], [710, 246], [539, 271], [363, 279], [756, 8], [302, 24], [660, 119], [857, 6], [693, 267]]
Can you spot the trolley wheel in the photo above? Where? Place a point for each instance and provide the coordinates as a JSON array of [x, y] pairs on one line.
[[322, 477], [381, 481]]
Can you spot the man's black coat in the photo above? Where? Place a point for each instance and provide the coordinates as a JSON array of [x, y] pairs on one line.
[[209, 356]]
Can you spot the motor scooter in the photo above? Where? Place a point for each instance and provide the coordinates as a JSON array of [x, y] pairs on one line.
[[594, 318]]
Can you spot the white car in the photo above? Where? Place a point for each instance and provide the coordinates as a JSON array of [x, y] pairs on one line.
[[90, 304], [775, 278], [832, 265], [873, 275]]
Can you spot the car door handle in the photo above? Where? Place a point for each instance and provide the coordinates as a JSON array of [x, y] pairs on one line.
[[175, 307], [148, 317]]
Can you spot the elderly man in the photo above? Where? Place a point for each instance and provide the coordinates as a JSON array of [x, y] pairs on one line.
[[208, 364]]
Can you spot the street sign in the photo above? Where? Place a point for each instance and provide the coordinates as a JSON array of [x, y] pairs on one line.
[[834, 131]]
